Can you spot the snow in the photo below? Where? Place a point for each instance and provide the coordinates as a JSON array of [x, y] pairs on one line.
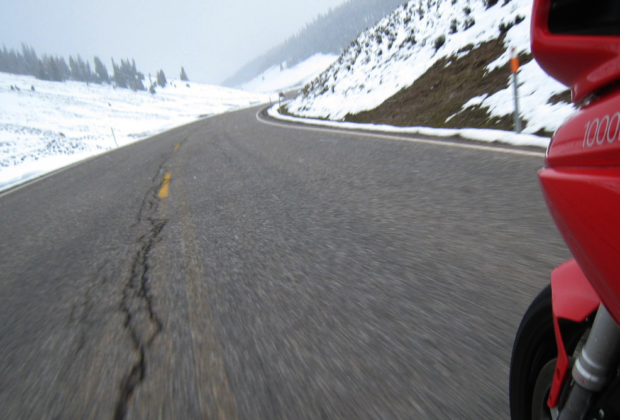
[[385, 59], [484, 135], [57, 124], [275, 79], [535, 88], [476, 100]]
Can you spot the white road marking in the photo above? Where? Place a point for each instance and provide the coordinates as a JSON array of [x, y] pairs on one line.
[[388, 136]]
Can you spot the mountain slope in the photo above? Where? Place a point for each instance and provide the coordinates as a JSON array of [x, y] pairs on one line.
[[327, 34], [278, 79], [440, 63]]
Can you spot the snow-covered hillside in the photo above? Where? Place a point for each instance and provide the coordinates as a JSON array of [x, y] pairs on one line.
[[402, 47], [47, 125], [280, 79]]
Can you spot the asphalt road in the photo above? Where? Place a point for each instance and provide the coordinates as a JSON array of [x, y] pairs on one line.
[[232, 269]]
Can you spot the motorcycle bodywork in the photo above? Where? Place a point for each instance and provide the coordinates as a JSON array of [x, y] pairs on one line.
[[574, 300], [575, 42], [581, 185]]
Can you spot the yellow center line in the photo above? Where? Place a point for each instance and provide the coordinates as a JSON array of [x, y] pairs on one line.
[[177, 147], [165, 184]]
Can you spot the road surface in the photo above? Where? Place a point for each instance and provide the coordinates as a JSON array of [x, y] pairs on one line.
[[235, 269]]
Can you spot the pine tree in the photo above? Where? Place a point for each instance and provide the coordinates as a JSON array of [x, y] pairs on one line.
[[81, 70], [161, 79], [41, 71], [90, 76], [101, 71], [184, 77], [76, 70], [54, 70], [5, 60], [14, 62], [119, 78], [29, 59], [136, 82], [127, 76], [63, 68]]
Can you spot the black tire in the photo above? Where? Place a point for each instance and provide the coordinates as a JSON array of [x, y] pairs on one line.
[[534, 347], [533, 354]]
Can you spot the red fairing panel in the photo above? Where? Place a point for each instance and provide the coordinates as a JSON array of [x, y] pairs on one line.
[[574, 299], [585, 203], [590, 138], [585, 62]]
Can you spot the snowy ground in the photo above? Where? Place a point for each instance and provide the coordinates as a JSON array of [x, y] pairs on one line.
[[399, 49], [276, 80], [48, 125]]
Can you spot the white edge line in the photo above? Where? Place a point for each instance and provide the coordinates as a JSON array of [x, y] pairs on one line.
[[389, 136], [29, 181]]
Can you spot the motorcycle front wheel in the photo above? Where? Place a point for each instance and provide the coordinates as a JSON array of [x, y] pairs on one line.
[[533, 359]]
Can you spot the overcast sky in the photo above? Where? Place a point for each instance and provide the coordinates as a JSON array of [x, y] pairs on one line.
[[210, 38]]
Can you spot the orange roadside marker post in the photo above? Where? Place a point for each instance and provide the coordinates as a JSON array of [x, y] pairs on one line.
[[514, 64], [514, 68]]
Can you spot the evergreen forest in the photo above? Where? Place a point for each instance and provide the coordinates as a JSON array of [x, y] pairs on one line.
[[54, 68]]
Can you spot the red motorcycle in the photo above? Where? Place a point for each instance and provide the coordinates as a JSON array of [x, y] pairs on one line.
[[565, 360]]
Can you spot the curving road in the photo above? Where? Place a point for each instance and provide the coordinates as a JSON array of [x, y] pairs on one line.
[[236, 268]]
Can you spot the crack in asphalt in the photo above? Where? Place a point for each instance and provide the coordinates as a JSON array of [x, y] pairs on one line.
[[141, 319], [81, 312]]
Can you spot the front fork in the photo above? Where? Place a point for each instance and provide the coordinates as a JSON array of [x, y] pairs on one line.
[[574, 299], [595, 367]]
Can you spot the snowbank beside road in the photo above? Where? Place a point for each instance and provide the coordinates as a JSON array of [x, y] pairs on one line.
[[47, 125], [484, 135]]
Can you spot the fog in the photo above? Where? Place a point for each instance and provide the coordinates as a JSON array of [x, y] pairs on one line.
[[210, 39]]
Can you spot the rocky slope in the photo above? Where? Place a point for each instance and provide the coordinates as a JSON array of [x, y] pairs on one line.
[[439, 63]]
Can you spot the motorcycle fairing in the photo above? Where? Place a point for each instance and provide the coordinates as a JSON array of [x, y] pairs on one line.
[[573, 299], [584, 203], [575, 47]]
